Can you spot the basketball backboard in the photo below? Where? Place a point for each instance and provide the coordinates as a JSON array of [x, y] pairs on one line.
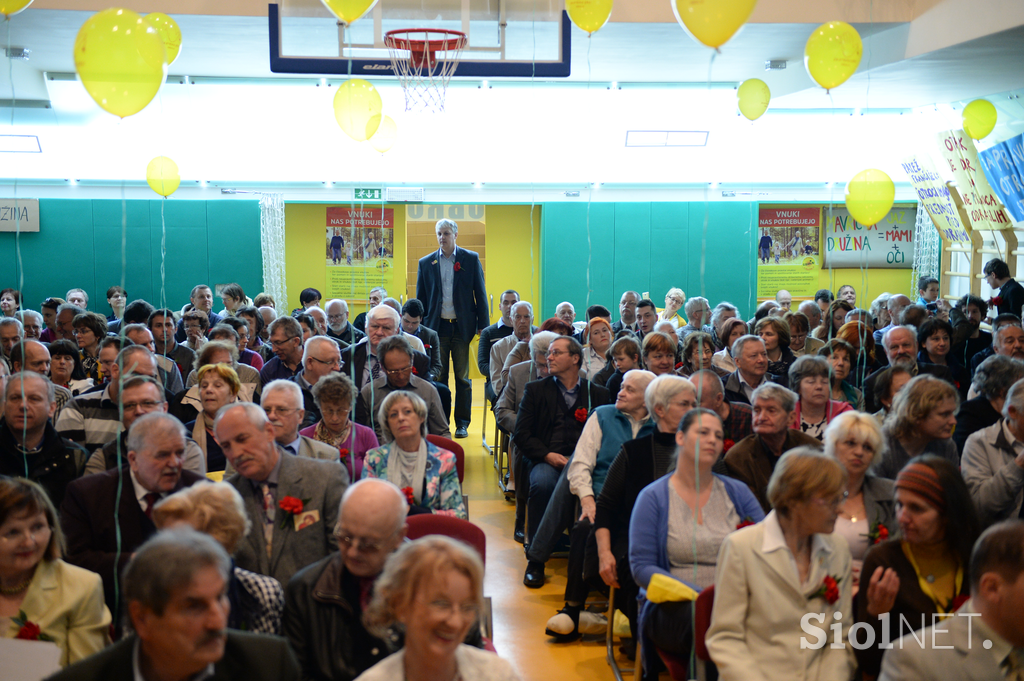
[[305, 38]]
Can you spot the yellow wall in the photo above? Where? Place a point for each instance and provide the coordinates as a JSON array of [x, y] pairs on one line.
[[305, 261], [511, 263], [869, 284]]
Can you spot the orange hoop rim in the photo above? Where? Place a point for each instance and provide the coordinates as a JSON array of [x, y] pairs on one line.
[[447, 40]]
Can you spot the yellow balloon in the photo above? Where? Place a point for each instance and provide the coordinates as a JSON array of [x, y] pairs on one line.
[[169, 33], [11, 7], [869, 196], [712, 23], [832, 54], [589, 15], [386, 135], [162, 175], [357, 108], [753, 96], [979, 118], [348, 11], [121, 60]]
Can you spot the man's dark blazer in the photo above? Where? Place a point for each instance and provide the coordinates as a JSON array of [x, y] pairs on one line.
[[469, 294], [619, 326], [353, 359], [871, 405], [491, 335], [1012, 294], [734, 391], [538, 409], [253, 657], [88, 520], [432, 344], [973, 416]]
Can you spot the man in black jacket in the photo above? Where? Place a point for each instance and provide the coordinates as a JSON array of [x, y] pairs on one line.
[[29, 445], [175, 589], [550, 421], [360, 363], [491, 335], [325, 601], [900, 343], [1009, 298]]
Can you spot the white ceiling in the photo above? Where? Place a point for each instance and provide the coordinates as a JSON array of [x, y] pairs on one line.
[[521, 133]]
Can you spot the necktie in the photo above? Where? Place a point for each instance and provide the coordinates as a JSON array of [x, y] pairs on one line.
[[374, 368], [151, 498], [268, 515]]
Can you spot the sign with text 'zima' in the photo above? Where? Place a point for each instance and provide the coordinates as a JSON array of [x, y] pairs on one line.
[[888, 244]]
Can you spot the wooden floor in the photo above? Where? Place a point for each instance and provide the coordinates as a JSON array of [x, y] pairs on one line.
[[520, 614]]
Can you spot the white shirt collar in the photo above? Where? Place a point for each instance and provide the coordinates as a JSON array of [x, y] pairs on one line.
[[140, 491], [774, 540]]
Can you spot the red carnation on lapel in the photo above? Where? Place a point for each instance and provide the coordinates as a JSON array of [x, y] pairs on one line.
[[343, 453], [407, 491], [996, 302], [290, 505], [581, 415], [458, 266]]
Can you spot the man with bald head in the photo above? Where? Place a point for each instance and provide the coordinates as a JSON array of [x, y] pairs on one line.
[[29, 441], [106, 516], [785, 299], [331, 594], [31, 355], [320, 356], [338, 326], [895, 306], [285, 537], [812, 312]]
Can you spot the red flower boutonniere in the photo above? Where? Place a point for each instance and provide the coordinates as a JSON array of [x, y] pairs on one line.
[[727, 445], [581, 415], [415, 373], [407, 491], [343, 453], [679, 365], [829, 589], [878, 533], [996, 301], [290, 507], [746, 522], [457, 267], [29, 631]]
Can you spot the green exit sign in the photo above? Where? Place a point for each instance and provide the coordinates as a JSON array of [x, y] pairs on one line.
[[367, 194]]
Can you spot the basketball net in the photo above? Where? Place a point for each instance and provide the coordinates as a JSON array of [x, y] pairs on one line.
[[424, 60]]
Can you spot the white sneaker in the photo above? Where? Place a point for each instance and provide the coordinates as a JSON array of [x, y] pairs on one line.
[[592, 623], [560, 625]]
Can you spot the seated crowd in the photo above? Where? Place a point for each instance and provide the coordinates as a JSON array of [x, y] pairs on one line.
[[865, 466]]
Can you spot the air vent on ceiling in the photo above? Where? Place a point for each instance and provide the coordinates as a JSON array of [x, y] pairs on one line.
[[775, 64], [666, 138], [403, 194]]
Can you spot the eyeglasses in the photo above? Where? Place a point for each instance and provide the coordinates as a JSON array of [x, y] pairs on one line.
[[325, 362], [399, 372], [832, 503], [335, 317], [145, 404], [279, 343], [447, 608], [361, 544], [556, 353], [36, 533], [283, 411]]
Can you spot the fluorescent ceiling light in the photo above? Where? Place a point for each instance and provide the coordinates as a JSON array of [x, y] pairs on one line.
[[23, 144], [666, 138]]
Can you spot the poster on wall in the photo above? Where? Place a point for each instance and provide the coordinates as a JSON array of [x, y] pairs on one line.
[[933, 194], [360, 250], [887, 244], [1004, 168], [980, 202], [788, 250]]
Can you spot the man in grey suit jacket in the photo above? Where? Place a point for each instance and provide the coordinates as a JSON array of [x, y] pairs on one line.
[[292, 501], [977, 642], [283, 401]]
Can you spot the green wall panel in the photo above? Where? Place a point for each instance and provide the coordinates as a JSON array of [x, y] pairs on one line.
[[79, 245], [647, 247]]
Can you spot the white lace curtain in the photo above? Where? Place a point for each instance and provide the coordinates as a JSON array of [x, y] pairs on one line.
[[272, 237]]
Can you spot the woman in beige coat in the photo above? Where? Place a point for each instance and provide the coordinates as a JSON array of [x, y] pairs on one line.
[[772, 574]]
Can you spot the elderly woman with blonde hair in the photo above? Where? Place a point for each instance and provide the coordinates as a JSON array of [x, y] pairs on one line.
[[921, 421], [217, 509], [867, 515], [770, 575], [432, 591], [218, 387], [674, 300]]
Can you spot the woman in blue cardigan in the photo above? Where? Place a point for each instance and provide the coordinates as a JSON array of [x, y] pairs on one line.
[[678, 524]]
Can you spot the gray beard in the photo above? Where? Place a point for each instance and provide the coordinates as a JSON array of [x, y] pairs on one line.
[[337, 328]]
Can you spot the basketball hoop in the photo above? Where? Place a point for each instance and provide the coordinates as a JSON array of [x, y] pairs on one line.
[[424, 60]]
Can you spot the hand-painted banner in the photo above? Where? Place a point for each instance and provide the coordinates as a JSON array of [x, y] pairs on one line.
[[933, 194], [1004, 168], [887, 244], [788, 254], [980, 202]]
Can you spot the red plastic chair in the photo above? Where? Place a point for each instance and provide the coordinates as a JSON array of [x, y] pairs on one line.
[[453, 447], [424, 524]]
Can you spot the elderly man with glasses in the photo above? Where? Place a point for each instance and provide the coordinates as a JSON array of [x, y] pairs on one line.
[[399, 373]]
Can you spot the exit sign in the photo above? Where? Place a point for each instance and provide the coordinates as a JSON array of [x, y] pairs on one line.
[[367, 194]]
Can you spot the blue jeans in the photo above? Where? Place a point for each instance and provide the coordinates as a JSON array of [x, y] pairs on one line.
[[555, 518], [543, 480], [452, 344]]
